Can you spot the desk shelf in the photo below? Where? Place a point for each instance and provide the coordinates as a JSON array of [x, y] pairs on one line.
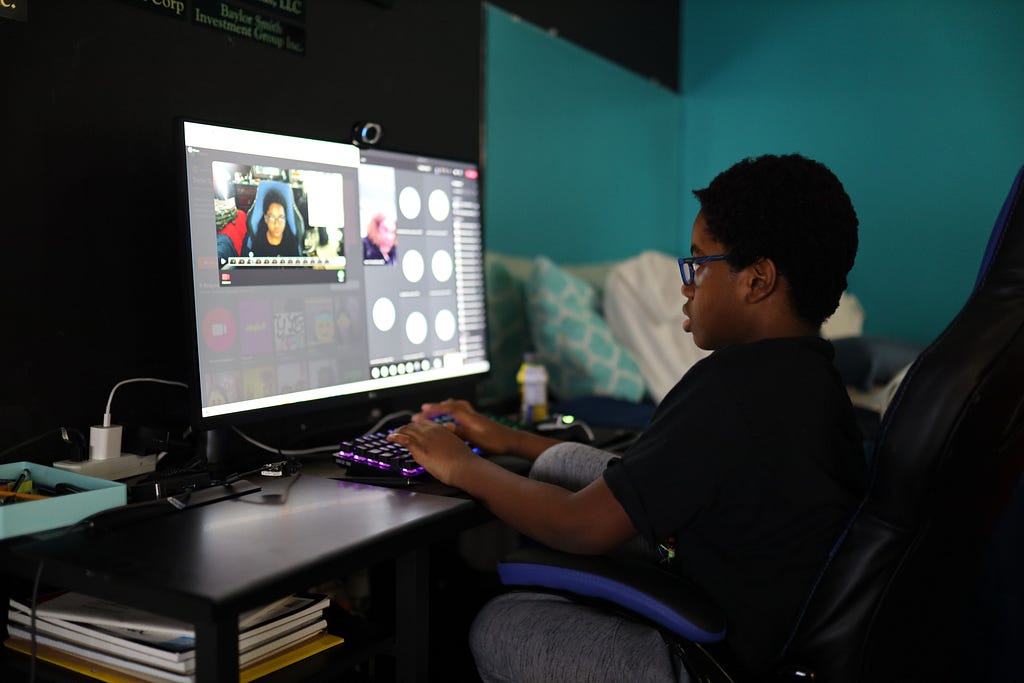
[[208, 564], [323, 666], [365, 643]]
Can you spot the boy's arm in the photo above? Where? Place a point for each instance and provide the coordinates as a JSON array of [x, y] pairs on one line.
[[590, 521]]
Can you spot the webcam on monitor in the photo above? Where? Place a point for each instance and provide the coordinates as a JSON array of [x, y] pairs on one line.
[[366, 133]]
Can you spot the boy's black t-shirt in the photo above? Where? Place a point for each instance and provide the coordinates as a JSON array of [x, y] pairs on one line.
[[753, 463]]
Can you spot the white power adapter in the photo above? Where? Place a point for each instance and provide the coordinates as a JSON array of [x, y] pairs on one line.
[[106, 460], [104, 442]]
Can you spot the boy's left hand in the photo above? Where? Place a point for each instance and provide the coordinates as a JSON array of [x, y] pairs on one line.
[[439, 450]]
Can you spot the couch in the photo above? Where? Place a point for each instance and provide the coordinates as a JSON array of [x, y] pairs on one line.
[[610, 336]]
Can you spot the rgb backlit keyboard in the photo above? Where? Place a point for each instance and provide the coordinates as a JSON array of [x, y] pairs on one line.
[[376, 451]]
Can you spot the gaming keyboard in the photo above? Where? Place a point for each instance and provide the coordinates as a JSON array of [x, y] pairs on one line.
[[374, 450]]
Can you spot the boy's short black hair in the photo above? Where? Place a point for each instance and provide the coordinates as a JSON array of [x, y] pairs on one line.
[[794, 211]]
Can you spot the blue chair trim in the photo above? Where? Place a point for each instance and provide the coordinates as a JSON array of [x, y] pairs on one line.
[[997, 232], [591, 585]]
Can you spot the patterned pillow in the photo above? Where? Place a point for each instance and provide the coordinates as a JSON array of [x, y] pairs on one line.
[[579, 351]]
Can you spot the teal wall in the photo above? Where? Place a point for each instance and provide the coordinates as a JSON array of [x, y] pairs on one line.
[[917, 106], [581, 156]]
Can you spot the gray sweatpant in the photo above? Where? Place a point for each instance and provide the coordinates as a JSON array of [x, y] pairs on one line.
[[525, 637]]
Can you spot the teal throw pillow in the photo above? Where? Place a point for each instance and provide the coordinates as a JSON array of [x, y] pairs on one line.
[[580, 353]]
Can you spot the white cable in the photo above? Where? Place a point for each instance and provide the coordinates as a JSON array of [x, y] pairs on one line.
[[110, 400], [588, 430], [305, 451], [321, 449], [387, 418]]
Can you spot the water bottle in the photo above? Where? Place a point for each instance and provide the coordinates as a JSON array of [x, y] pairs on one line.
[[533, 389]]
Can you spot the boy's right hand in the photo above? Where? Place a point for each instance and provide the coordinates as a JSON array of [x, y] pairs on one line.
[[466, 423]]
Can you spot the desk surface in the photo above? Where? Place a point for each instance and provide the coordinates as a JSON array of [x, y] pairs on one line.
[[218, 559]]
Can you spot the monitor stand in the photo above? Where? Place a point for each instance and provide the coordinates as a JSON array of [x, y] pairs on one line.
[[212, 446]]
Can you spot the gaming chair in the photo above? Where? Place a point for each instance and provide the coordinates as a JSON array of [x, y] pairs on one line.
[[894, 600]]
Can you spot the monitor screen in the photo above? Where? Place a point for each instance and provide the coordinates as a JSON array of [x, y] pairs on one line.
[[321, 272]]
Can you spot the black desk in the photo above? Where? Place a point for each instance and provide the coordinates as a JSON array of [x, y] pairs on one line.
[[205, 565]]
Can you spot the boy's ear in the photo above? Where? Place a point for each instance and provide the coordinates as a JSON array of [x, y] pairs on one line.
[[762, 278]]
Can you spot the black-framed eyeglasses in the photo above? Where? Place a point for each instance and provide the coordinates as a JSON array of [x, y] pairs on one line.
[[688, 264]]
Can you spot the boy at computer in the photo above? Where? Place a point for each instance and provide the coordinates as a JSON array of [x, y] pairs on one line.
[[746, 473]]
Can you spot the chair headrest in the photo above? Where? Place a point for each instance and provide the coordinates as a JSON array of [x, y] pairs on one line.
[[257, 210], [1009, 204], [945, 381]]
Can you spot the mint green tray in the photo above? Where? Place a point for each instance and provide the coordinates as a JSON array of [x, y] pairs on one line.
[[30, 516]]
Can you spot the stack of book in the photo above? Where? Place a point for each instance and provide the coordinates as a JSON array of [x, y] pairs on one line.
[[112, 642]]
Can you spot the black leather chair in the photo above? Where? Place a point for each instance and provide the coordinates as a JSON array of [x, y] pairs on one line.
[[895, 598]]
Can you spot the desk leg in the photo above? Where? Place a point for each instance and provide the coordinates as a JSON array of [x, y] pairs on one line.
[[5, 599], [217, 652], [412, 615]]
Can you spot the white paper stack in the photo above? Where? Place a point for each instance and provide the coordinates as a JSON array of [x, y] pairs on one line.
[[148, 646]]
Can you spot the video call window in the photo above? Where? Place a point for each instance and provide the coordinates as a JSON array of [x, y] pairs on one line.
[[378, 214], [268, 217]]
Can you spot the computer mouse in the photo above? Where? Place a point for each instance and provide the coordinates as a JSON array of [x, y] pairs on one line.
[[565, 428]]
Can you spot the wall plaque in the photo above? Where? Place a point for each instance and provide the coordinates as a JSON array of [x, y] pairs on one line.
[[240, 20], [176, 9], [277, 23]]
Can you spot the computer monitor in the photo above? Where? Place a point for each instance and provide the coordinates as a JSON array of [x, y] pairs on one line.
[[322, 274]]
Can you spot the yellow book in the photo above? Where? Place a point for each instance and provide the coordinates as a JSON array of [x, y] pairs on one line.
[[293, 654], [113, 674]]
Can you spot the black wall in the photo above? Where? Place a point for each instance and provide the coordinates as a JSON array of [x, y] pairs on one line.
[[92, 267], [641, 35]]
